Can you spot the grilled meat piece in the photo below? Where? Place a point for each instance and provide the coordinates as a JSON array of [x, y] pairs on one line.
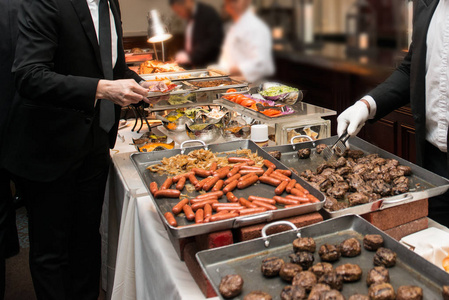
[[258, 295], [360, 169], [445, 292], [319, 148], [334, 177], [395, 173], [330, 202], [304, 244], [289, 270], [385, 177], [355, 180], [359, 297], [369, 176], [385, 257], [381, 291], [303, 258], [338, 190], [340, 162], [231, 285], [409, 292], [343, 171], [355, 154], [378, 274], [275, 154], [372, 242], [332, 279], [401, 180], [399, 189], [321, 167], [317, 290], [320, 268], [293, 292], [381, 187], [305, 279], [327, 172], [357, 198], [350, 247], [407, 170], [271, 266], [350, 272], [329, 252], [332, 295], [307, 174], [379, 161], [365, 188], [304, 153]]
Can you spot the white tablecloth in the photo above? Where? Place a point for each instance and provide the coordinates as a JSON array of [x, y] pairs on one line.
[[146, 265]]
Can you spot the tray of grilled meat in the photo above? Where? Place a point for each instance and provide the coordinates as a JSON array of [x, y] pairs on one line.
[[215, 84], [362, 178], [335, 259], [207, 188], [183, 75]]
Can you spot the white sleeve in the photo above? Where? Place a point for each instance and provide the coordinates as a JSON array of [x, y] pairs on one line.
[[373, 106]]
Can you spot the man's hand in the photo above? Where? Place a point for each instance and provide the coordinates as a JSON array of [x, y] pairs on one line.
[[353, 119], [122, 92], [182, 58]]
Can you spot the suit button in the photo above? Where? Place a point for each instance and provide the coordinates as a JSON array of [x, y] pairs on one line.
[[88, 120]]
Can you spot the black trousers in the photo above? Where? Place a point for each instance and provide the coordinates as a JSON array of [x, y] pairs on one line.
[[436, 161], [9, 242], [64, 223]]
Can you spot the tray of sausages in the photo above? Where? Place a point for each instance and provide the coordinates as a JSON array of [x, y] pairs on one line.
[[202, 189]]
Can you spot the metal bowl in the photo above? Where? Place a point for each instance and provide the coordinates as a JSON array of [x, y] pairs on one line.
[[205, 132], [171, 124], [289, 98]]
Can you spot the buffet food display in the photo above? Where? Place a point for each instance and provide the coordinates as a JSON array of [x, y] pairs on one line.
[[156, 66]]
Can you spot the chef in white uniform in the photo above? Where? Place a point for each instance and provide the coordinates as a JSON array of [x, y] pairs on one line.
[[247, 49]]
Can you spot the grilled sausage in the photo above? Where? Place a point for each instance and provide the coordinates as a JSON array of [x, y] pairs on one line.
[[264, 204], [290, 185], [247, 203], [267, 200], [153, 187], [218, 186], [246, 183], [193, 179], [196, 200], [170, 219], [167, 194], [235, 159], [284, 172], [210, 183], [190, 215], [285, 201], [167, 184], [213, 167], [219, 194], [207, 210], [222, 172], [281, 188], [181, 183], [279, 176], [269, 164], [257, 172], [178, 207], [223, 216], [179, 176], [231, 197], [201, 204], [230, 187], [250, 211], [270, 180], [199, 216], [201, 172], [268, 172], [233, 171], [232, 178]]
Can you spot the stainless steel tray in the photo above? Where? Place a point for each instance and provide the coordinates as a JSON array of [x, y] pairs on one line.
[[423, 183], [194, 74], [233, 84], [186, 228], [245, 259]]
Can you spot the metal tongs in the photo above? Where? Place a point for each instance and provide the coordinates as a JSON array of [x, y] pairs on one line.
[[338, 147]]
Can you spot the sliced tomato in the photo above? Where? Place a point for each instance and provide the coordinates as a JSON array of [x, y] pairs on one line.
[[231, 91], [247, 102], [271, 112]]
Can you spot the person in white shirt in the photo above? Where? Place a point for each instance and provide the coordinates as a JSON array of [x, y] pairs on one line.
[[421, 80], [247, 50]]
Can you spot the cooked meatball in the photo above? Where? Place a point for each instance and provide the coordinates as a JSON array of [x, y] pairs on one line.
[[355, 154], [338, 190], [289, 270], [304, 244], [303, 258], [357, 199], [257, 295], [319, 148], [350, 247], [317, 290], [305, 279], [293, 292], [378, 275], [320, 268], [331, 295], [381, 187], [409, 292], [332, 279], [372, 242], [275, 154], [271, 266], [350, 272], [231, 285], [304, 153], [385, 257], [329, 252], [381, 291], [445, 292], [359, 297]]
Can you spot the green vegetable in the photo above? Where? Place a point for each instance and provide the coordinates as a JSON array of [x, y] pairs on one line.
[[278, 90]]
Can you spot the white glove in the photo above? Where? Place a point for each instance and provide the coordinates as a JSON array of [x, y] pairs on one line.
[[352, 119]]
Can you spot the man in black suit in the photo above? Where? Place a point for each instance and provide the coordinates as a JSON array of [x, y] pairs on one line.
[[9, 243], [71, 78], [421, 80], [203, 36]]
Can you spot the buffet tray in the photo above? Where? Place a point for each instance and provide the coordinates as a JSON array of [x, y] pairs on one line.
[[245, 259], [187, 228], [233, 83], [423, 183], [183, 75]]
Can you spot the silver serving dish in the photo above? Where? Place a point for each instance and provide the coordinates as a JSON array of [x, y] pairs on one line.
[[245, 259], [176, 125], [183, 75], [206, 132]]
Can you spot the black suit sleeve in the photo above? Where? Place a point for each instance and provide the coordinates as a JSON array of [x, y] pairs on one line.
[[37, 50]]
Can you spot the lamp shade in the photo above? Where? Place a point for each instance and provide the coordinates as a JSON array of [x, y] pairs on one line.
[[157, 31]]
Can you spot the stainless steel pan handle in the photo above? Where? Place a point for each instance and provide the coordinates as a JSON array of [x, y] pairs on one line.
[[301, 136], [252, 219], [192, 141], [265, 228], [393, 202]]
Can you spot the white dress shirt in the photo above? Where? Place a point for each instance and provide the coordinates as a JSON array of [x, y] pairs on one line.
[[248, 46], [93, 7], [437, 77]]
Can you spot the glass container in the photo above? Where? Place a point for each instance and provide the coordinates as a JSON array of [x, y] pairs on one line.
[[361, 29]]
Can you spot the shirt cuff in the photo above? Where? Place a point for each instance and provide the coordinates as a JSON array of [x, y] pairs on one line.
[[373, 106]]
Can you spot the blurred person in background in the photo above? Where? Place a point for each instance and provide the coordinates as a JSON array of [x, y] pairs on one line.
[[422, 80], [203, 35], [9, 243], [247, 50]]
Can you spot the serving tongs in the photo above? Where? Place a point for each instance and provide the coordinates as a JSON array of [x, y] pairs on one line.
[[338, 147]]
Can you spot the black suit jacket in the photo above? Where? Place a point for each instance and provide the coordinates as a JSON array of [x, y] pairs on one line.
[[57, 69], [407, 83], [207, 36]]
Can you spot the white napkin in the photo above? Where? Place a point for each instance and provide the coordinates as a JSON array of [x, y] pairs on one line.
[[431, 243]]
